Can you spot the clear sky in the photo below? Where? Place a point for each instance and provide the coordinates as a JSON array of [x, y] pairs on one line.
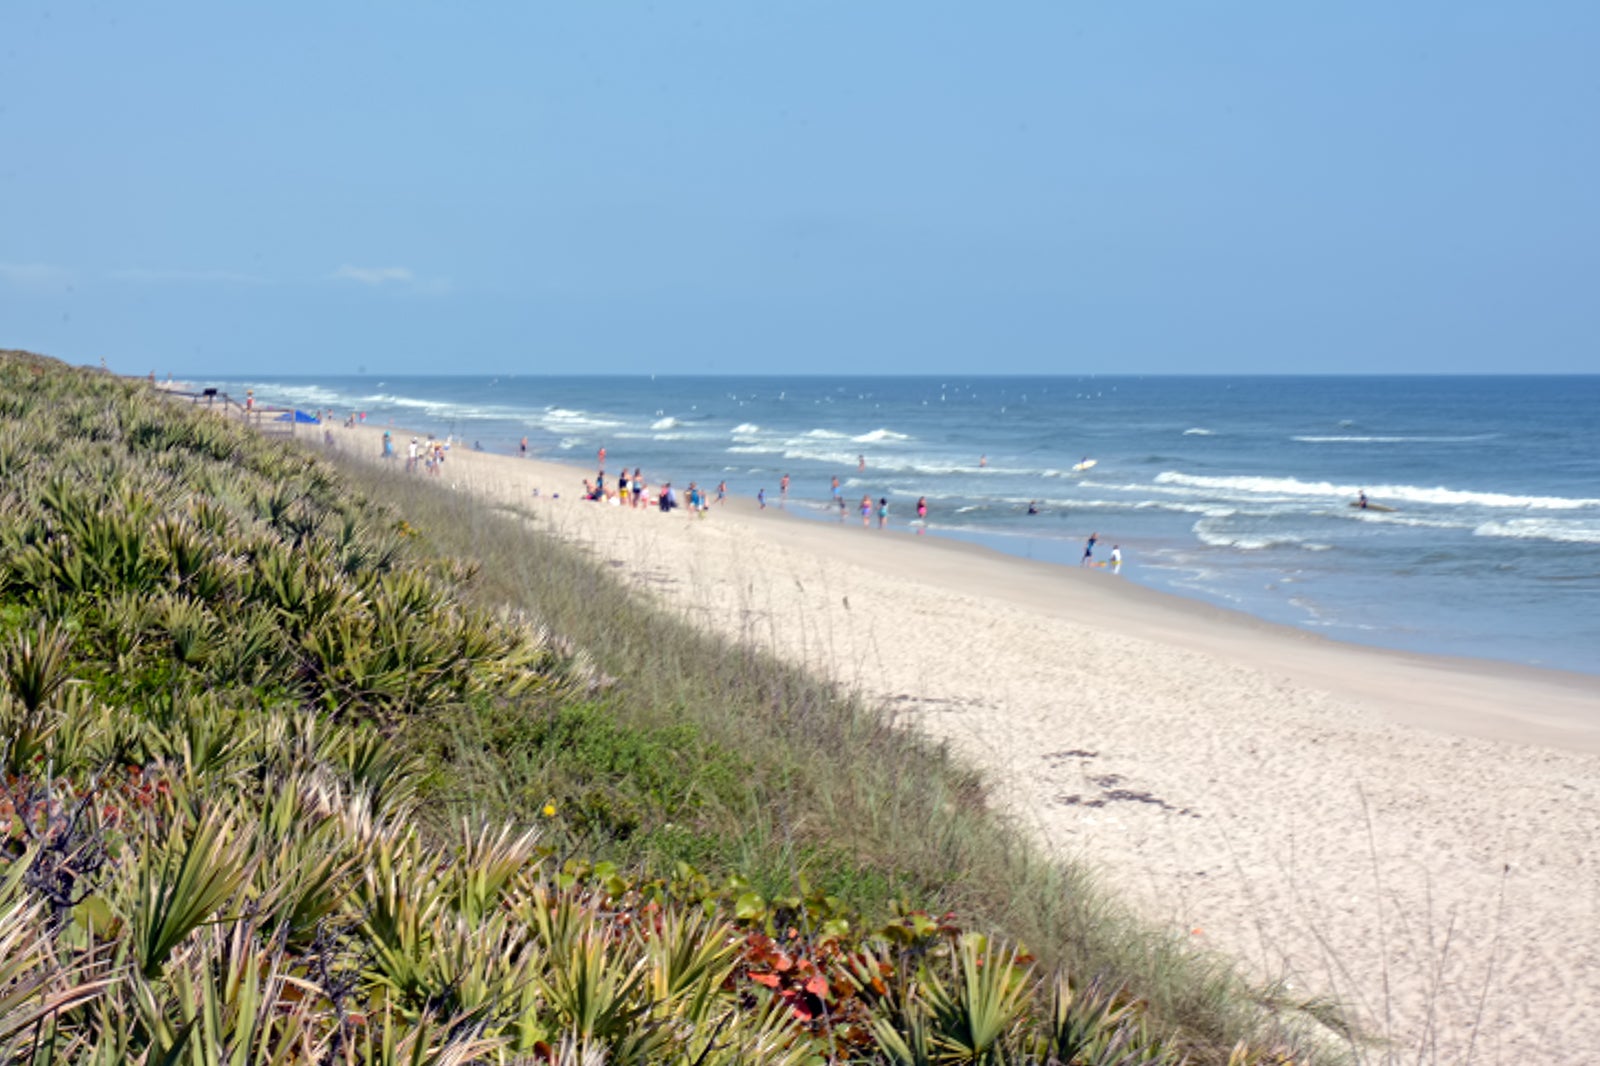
[[760, 187]]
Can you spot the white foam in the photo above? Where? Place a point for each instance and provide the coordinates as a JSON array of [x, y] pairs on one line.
[[1396, 440], [879, 436], [664, 423], [292, 395], [1196, 431], [1208, 533], [1541, 529], [1295, 488], [744, 429]]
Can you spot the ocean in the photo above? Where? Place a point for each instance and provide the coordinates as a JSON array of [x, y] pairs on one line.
[[1232, 490]]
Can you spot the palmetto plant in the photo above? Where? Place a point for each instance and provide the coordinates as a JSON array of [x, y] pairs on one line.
[[195, 874], [36, 665], [215, 849]]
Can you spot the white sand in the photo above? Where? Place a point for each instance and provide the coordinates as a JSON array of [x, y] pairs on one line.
[[1413, 834]]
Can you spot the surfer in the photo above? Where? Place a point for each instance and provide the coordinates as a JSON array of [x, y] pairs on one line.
[[1361, 499], [1032, 509]]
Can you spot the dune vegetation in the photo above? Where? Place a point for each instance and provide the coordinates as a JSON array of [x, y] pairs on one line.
[[305, 763]]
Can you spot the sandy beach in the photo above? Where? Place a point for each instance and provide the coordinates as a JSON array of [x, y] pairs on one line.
[[1412, 834]]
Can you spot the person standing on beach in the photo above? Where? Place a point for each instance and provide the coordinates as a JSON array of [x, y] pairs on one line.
[[602, 454], [1088, 550], [922, 514], [722, 491], [783, 490], [524, 447], [761, 498], [833, 489], [1116, 558], [883, 511], [866, 512]]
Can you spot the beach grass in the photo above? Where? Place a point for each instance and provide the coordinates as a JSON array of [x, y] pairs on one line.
[[310, 764]]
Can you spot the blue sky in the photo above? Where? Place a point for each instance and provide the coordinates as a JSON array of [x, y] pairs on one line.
[[780, 187]]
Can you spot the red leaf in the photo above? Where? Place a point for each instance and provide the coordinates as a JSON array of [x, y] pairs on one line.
[[771, 980], [818, 986]]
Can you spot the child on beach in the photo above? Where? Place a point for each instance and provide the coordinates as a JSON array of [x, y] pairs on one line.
[[866, 512], [883, 511], [761, 498]]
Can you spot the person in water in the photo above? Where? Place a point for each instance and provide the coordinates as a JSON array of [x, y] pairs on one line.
[[1032, 509], [1361, 499]]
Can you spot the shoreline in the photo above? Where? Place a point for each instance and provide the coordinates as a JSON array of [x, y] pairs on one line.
[[1484, 561], [1410, 833], [1570, 719]]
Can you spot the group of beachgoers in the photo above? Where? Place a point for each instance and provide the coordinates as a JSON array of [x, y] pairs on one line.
[[631, 490], [429, 454]]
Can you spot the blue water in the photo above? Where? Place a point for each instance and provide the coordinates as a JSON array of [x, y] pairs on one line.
[[1230, 490]]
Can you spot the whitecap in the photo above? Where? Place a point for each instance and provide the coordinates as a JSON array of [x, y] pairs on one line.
[[1541, 529], [879, 436], [1293, 487]]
